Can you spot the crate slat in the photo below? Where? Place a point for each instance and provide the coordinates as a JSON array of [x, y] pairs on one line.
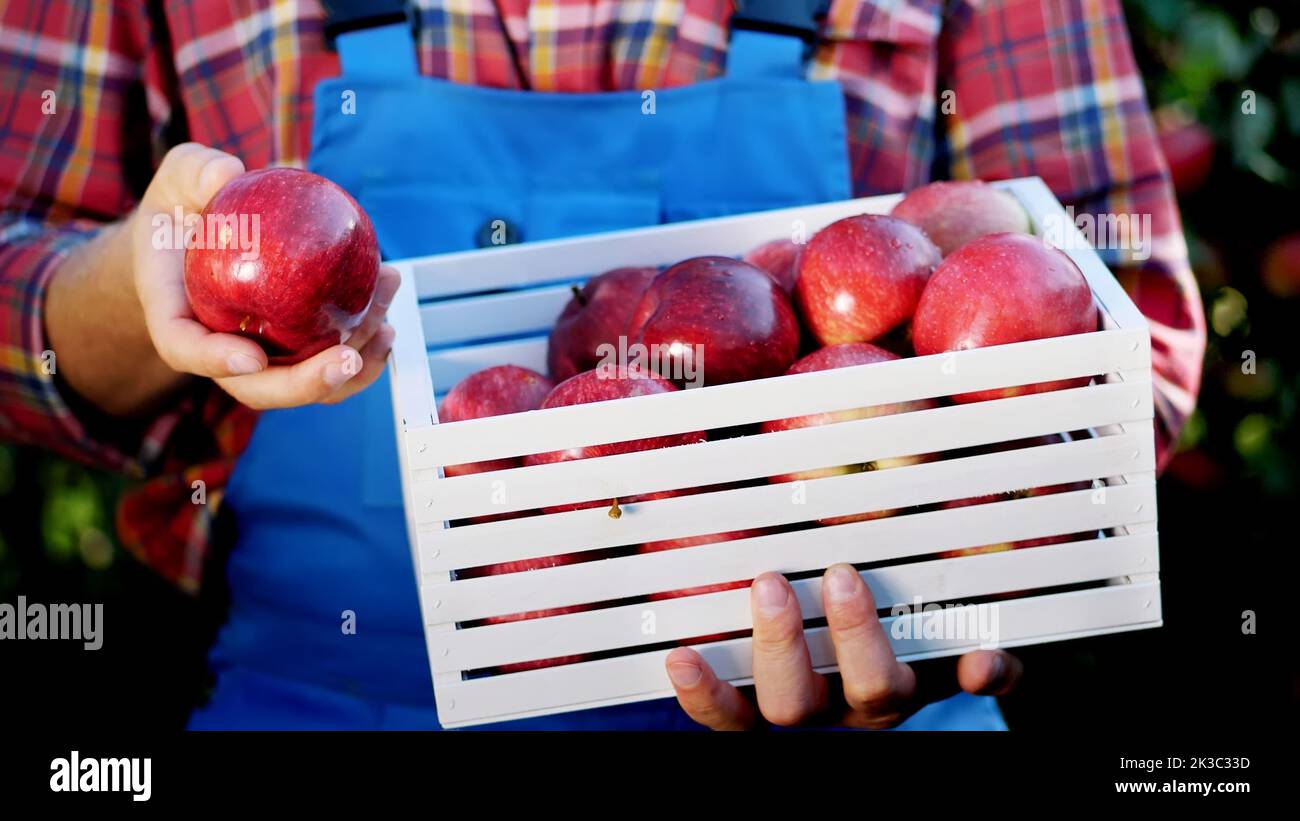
[[779, 453], [727, 611], [444, 549], [740, 403], [516, 313], [550, 261], [897, 537], [638, 677]]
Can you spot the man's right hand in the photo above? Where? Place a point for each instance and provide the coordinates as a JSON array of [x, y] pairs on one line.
[[189, 176]]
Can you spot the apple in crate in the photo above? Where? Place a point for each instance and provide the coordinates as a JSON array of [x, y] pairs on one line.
[[523, 566], [286, 258], [780, 259], [696, 541], [716, 318], [843, 356], [598, 314], [1002, 447], [602, 385], [999, 289], [861, 277], [953, 213], [494, 391]]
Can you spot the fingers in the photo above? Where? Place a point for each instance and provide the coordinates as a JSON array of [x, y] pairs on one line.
[[310, 381], [385, 287], [706, 698], [788, 690], [877, 687], [189, 175], [989, 672], [188, 347], [374, 357]]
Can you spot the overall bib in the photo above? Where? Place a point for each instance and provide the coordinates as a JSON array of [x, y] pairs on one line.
[[316, 498]]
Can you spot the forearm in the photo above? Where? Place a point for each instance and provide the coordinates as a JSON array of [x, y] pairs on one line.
[[95, 326]]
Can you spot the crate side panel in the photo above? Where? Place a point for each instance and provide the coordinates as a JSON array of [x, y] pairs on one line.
[[641, 676]]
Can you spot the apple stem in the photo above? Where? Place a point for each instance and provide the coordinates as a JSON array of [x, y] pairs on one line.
[[243, 325], [582, 300], [615, 511]]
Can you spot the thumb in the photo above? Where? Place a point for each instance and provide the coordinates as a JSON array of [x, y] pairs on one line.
[[189, 176]]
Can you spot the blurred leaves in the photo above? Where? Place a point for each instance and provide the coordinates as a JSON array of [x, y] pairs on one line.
[[1228, 63], [1235, 68]]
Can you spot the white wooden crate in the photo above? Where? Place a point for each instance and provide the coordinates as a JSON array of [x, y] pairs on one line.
[[457, 313]]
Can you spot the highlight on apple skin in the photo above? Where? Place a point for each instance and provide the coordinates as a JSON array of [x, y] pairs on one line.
[[308, 282], [719, 317], [861, 277]]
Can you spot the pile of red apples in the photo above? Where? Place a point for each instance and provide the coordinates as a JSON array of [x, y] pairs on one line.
[[953, 267]]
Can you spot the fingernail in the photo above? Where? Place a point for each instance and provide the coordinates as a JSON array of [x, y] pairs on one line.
[[240, 364], [336, 373], [387, 290], [772, 595], [684, 674], [841, 583]]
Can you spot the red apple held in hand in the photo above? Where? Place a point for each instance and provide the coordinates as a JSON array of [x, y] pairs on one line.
[[843, 356], [597, 315], [861, 277], [286, 258], [493, 391], [999, 289], [953, 213], [714, 320], [600, 386], [780, 259]]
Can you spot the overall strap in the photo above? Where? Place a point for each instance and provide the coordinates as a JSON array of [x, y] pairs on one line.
[[374, 38], [772, 38]]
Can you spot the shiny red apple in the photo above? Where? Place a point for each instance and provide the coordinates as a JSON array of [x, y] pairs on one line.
[[780, 259], [860, 277], [953, 213], [843, 356], [494, 391], [286, 258], [999, 289], [713, 320], [598, 314], [599, 386]]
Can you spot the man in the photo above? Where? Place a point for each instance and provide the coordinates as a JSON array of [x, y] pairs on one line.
[[970, 88]]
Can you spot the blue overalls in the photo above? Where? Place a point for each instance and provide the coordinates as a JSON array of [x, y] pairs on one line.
[[316, 498]]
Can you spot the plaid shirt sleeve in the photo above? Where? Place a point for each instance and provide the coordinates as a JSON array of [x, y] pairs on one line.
[[70, 139], [1050, 88]]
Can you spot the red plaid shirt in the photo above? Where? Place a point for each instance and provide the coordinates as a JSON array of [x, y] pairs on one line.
[[1038, 87]]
